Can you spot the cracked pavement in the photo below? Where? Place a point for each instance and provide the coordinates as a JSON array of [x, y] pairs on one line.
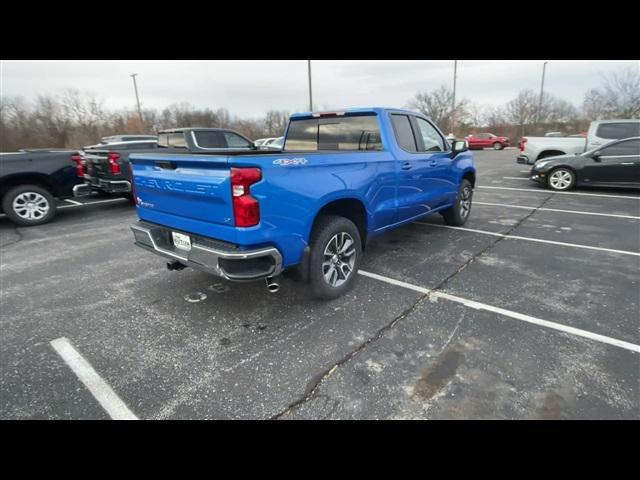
[[189, 345]]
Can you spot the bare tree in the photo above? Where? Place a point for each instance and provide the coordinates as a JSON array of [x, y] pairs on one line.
[[619, 97], [275, 122], [436, 105]]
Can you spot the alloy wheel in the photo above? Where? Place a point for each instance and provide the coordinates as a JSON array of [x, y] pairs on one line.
[[339, 259], [560, 179], [30, 206]]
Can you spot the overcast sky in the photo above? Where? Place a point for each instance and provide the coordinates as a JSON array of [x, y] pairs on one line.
[[250, 88]]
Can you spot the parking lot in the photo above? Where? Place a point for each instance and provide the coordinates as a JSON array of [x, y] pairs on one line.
[[531, 311]]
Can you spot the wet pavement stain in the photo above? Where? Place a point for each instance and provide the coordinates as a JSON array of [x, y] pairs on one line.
[[437, 376]]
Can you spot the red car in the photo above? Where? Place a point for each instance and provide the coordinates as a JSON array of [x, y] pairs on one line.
[[486, 140]]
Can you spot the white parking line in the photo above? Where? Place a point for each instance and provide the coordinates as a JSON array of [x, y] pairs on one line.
[[516, 178], [101, 391], [507, 313], [556, 210], [542, 190], [529, 239], [78, 204]]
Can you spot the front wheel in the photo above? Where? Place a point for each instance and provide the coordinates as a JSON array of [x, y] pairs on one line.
[[497, 146], [336, 251], [561, 179], [29, 205], [458, 214]]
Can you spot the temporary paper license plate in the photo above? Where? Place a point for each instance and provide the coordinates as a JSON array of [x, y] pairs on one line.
[[181, 241]]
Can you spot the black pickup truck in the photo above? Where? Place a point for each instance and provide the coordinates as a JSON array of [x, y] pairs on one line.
[[107, 167], [31, 180]]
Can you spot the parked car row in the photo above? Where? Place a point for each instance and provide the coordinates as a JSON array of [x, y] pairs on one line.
[[274, 143], [32, 180], [607, 156], [478, 141]]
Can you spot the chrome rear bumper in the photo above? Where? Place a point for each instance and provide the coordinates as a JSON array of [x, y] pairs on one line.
[[208, 255]]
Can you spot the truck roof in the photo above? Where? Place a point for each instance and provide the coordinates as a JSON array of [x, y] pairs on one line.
[[374, 110], [195, 129]]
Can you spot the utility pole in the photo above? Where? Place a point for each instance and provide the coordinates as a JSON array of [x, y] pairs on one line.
[[453, 105], [544, 67], [310, 96], [135, 86]]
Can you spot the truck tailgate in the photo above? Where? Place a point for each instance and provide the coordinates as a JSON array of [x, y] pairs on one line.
[[97, 163], [188, 186]]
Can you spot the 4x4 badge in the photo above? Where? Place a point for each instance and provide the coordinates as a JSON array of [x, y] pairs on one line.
[[289, 161]]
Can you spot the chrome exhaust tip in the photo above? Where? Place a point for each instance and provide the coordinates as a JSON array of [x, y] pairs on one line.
[[272, 285]]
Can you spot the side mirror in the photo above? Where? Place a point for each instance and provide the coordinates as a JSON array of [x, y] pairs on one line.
[[459, 146], [596, 157]]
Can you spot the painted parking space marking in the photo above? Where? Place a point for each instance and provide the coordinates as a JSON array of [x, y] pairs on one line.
[[529, 239], [109, 200], [516, 178], [544, 209], [506, 313], [100, 389], [542, 190], [79, 204]]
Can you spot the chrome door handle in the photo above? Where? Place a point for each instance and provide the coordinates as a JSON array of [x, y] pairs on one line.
[[406, 166], [626, 163]]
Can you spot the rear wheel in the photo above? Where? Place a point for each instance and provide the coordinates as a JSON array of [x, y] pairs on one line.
[[336, 251], [561, 179], [29, 205], [458, 214]]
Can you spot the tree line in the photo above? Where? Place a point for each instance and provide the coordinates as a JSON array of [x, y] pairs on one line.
[[74, 119], [529, 113]]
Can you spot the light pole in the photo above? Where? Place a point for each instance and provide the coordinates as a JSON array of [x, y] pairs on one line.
[[544, 68], [453, 104], [135, 86], [310, 96]]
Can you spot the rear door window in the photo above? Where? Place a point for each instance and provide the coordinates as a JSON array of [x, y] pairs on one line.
[[616, 131], [233, 140], [210, 139], [171, 140], [404, 133]]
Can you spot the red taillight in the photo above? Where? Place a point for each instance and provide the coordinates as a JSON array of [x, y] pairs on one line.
[[79, 165], [246, 210], [114, 166], [523, 140]]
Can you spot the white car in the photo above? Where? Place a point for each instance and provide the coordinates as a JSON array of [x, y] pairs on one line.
[[275, 144], [600, 132]]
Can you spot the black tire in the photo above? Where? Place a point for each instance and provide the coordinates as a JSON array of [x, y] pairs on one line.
[[322, 240], [458, 215], [498, 146], [41, 210], [561, 179]]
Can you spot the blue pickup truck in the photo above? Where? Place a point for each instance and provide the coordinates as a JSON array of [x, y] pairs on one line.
[[309, 208]]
